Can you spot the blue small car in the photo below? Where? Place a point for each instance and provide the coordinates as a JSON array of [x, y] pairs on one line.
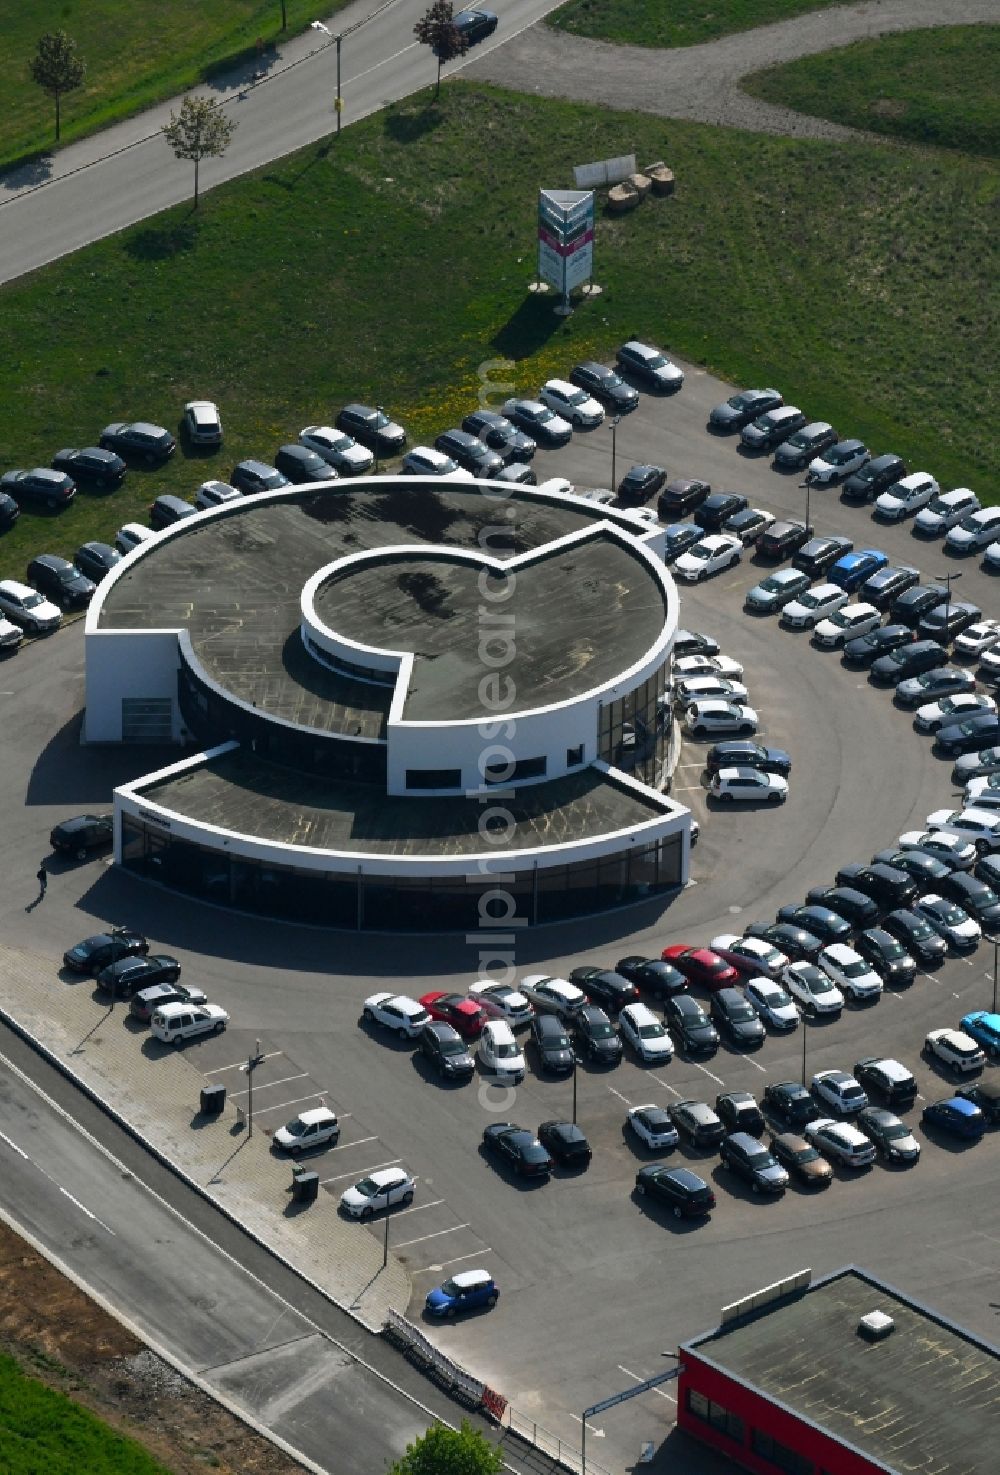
[[956, 1115], [851, 571], [984, 1029], [468, 1291]]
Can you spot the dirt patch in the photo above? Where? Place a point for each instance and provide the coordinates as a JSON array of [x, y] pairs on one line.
[[57, 1334], [889, 107]]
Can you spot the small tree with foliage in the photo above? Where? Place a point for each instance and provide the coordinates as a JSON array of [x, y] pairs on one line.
[[437, 29], [200, 130], [57, 68], [444, 1451]]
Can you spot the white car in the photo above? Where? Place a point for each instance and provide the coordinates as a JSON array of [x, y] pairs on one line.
[[713, 553], [11, 635], [748, 786], [956, 1049], [748, 524], [426, 461], [772, 1003], [653, 1127], [849, 971], [839, 1092], [709, 688], [945, 511], [499, 1053], [850, 622], [131, 535], [842, 1141], [942, 844], [572, 403], [980, 792], [650, 363], [816, 604], [906, 496], [380, 1190], [24, 606], [686, 667], [563, 488], [554, 995], [812, 987], [308, 1129], [644, 1032], [991, 556], [840, 460], [933, 715], [175, 1023], [338, 449], [712, 718], [974, 531], [977, 825], [750, 954], [976, 639], [398, 1012], [203, 423], [214, 493], [949, 921], [500, 1001]]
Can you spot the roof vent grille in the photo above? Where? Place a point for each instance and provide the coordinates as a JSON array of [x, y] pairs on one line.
[[876, 1326]]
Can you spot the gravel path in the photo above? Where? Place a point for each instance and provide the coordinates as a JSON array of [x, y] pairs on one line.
[[702, 82]]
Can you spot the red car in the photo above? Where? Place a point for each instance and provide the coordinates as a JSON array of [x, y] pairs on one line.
[[701, 965], [462, 1014]]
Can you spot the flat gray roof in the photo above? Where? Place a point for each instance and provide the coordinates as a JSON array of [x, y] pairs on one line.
[[926, 1398]]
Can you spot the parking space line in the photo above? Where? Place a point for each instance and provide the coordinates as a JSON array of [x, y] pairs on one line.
[[359, 1142], [660, 1392], [417, 1208], [361, 1172], [436, 1235], [679, 767], [620, 1096], [756, 1066], [685, 788], [238, 1064], [659, 1081], [266, 1085], [279, 1106], [706, 1071], [426, 1269]]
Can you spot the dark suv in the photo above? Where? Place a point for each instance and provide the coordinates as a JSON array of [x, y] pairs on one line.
[[103, 469], [256, 476], [605, 385], [887, 1079], [444, 1047], [751, 1160], [605, 987], [865, 484], [689, 1024], [300, 464], [697, 1123], [82, 834], [41, 487], [469, 452], [908, 660], [595, 1035], [500, 434], [782, 539], [555, 1052], [370, 425], [734, 1014], [738, 1111], [716, 507], [820, 554], [888, 584], [61, 580], [681, 496], [812, 440], [639, 483]]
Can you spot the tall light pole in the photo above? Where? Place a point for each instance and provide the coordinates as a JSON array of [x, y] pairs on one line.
[[995, 940], [808, 486], [381, 410], [947, 580], [614, 422], [576, 1062], [338, 101], [805, 1030]]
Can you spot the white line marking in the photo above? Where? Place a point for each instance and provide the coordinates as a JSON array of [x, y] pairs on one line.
[[436, 1235], [417, 1208], [362, 1172], [681, 766], [360, 1140], [598, 1432], [83, 1207], [659, 1391], [686, 788], [761, 1068], [238, 1065], [659, 1081], [620, 1096], [20, 1150], [258, 1110], [474, 1255], [266, 1085], [707, 1072]]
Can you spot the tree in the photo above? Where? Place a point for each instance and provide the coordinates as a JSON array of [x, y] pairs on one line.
[[437, 29], [56, 68], [444, 1451], [200, 130]]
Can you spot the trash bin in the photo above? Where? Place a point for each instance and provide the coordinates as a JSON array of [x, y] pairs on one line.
[[213, 1099], [305, 1187]]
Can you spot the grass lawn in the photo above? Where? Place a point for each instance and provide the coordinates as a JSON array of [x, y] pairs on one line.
[[673, 22], [861, 280], [931, 87], [157, 50], [43, 1430]]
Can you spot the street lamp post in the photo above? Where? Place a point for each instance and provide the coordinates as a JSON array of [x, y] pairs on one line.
[[947, 581], [576, 1062], [614, 422], [808, 486], [381, 410], [338, 102], [385, 1242], [805, 1030], [995, 940]]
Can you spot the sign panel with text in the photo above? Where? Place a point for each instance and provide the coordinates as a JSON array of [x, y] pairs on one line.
[[565, 238]]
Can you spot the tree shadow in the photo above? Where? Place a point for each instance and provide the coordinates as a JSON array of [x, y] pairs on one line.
[[290, 182], [232, 73], [32, 171], [161, 242], [406, 126], [529, 329]]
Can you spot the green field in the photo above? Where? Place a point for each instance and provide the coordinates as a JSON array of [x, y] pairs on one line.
[[154, 51], [677, 23], [939, 87], [861, 280], [43, 1432]]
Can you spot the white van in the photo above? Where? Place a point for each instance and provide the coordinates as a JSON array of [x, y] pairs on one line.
[[175, 1023]]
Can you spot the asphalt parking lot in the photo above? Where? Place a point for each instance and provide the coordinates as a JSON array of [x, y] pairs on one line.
[[594, 1285]]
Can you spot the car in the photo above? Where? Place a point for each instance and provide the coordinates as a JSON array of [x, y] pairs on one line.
[[96, 952], [131, 536], [92, 465], [167, 510], [888, 886], [565, 1143], [372, 427], [653, 1127], [517, 474], [470, 453], [805, 445], [594, 1036], [819, 997], [139, 440], [881, 1075], [695, 643], [707, 718], [317, 1127], [9, 512], [955, 850], [985, 1095], [639, 484], [129, 975], [801, 1160], [934, 715], [957, 1115], [782, 539], [681, 496], [215, 494], [701, 966], [468, 1290], [838, 461], [892, 1138], [397, 1012], [748, 755], [912, 604], [748, 785], [855, 906], [604, 986], [301, 465], [949, 619], [11, 635], [556, 995], [82, 834], [977, 765], [689, 1024], [686, 668], [839, 1092], [981, 826], [684, 1193], [975, 531], [144, 1003], [500, 434], [426, 461], [761, 962], [572, 403], [519, 1147], [887, 584], [735, 1016], [908, 660], [981, 788], [771, 428], [466, 1015], [538, 421], [916, 935], [820, 554], [819, 920], [647, 364], [202, 423], [341, 451], [605, 385], [739, 409], [176, 1023], [790, 1102], [718, 508], [945, 510], [707, 688], [849, 622], [697, 1123], [443, 1046], [929, 686], [865, 649], [678, 538], [846, 1144], [865, 484], [968, 736], [750, 1159], [816, 604], [852, 973], [976, 639], [984, 1027], [955, 1049], [381, 1190], [651, 975], [738, 1112], [39, 487], [712, 554], [905, 497], [252, 477], [502, 1001], [777, 590], [474, 26], [552, 1044], [748, 524], [499, 1054], [855, 569]]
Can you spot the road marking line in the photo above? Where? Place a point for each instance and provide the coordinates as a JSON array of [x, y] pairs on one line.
[[598, 1432], [266, 1085], [685, 789], [436, 1235], [83, 1207], [360, 1140], [5, 1138], [258, 1110], [361, 1172], [658, 1081], [681, 766], [620, 1096], [707, 1072], [475, 1254], [238, 1065], [658, 1391], [417, 1208], [761, 1068]]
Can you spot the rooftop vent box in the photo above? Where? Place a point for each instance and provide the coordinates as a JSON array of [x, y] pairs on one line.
[[876, 1326]]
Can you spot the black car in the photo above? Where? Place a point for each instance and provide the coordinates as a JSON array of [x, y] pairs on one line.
[[819, 920], [652, 975], [736, 1017], [738, 1112], [948, 619], [10, 512], [743, 754], [887, 956], [127, 976], [92, 465], [138, 439], [974, 896], [595, 1036], [782, 539], [167, 509], [697, 1123], [868, 648], [797, 943], [908, 660], [985, 1095], [681, 496], [678, 538], [684, 1193], [555, 1052], [565, 1143], [790, 1102], [470, 452], [651, 367], [771, 428], [298, 464], [886, 885], [741, 408], [910, 607], [252, 476], [497, 432], [694, 643], [968, 736], [751, 1160], [716, 508], [892, 1138], [917, 937], [799, 449], [444, 1047], [538, 420], [820, 554], [95, 953], [884, 1077], [519, 1147], [605, 385], [853, 905], [639, 483], [82, 834], [865, 484], [60, 580], [606, 987], [885, 586], [96, 559], [474, 25], [370, 425], [40, 487], [927, 871], [689, 1025]]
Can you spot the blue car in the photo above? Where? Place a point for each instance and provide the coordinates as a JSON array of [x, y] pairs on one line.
[[468, 1291], [851, 571], [984, 1029], [956, 1115], [678, 538]]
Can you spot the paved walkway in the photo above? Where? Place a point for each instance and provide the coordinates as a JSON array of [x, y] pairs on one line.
[[702, 82]]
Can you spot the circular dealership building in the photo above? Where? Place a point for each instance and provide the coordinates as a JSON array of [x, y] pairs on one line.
[[403, 704]]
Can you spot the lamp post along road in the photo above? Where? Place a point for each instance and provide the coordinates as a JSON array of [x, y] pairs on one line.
[[995, 940], [614, 422], [946, 579]]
